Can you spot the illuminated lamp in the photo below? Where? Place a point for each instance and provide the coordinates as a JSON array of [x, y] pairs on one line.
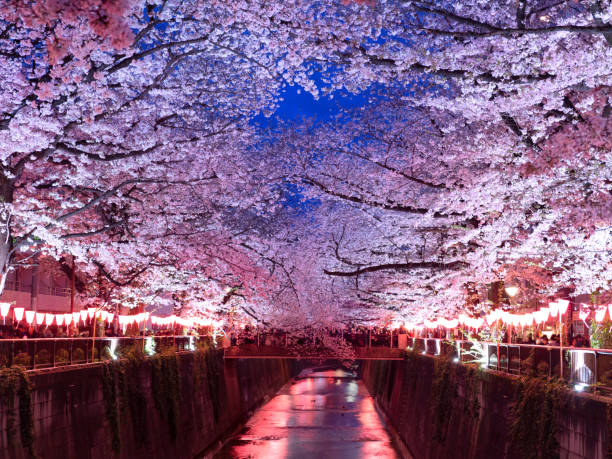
[[554, 308], [40, 318], [29, 315], [83, 313], [4, 309], [584, 313], [511, 290], [59, 319], [111, 316], [18, 312], [76, 317], [600, 313], [67, 318], [454, 323], [91, 312], [563, 305], [49, 319], [104, 315]]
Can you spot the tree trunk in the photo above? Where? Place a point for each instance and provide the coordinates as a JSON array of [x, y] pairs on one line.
[[35, 286], [6, 241]]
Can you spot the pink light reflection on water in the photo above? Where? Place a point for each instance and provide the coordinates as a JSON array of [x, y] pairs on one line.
[[327, 415]]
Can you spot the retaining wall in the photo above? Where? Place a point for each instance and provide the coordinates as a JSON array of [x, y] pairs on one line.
[[445, 410], [167, 407]]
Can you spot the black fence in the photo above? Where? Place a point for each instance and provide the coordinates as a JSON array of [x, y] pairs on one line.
[[580, 366], [55, 352]]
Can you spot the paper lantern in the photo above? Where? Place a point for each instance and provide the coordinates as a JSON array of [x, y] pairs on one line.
[[110, 317], [4, 309], [553, 308], [29, 316], [40, 318], [563, 305], [49, 319], [67, 318], [91, 312], [59, 319], [76, 317], [104, 315], [584, 313], [527, 319], [18, 312], [83, 313]]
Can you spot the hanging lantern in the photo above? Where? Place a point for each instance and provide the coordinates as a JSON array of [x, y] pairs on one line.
[[4, 309], [49, 319], [59, 319], [454, 323], [76, 317], [104, 315], [91, 312], [18, 312], [563, 305], [83, 313], [110, 317], [40, 318], [553, 308], [29, 316], [67, 318]]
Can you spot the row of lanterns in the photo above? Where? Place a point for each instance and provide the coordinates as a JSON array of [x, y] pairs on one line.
[[555, 309], [41, 318]]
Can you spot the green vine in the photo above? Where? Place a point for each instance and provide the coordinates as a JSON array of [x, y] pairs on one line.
[[471, 403], [166, 388], [534, 418], [15, 384], [214, 374], [443, 392], [111, 409], [601, 334]]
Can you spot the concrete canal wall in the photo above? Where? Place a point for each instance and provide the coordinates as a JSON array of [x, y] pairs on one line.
[[441, 409], [168, 406]]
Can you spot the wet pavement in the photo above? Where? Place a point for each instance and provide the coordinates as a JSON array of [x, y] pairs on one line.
[[328, 414]]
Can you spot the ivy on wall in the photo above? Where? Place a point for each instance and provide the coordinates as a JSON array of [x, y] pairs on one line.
[[443, 393], [15, 385], [214, 375], [165, 380], [535, 418], [111, 410]]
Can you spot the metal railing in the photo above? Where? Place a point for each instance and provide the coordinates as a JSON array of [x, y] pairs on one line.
[[581, 366], [38, 353]]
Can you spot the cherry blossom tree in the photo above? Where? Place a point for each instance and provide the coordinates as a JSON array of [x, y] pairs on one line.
[[126, 141]]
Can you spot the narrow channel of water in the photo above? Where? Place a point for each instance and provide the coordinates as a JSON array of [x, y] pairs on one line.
[[326, 414]]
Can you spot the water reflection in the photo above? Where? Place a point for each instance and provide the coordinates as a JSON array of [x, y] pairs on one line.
[[328, 414]]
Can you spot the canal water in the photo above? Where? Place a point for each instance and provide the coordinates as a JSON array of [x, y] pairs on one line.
[[324, 414]]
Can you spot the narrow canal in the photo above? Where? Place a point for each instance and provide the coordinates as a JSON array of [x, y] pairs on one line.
[[325, 414]]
